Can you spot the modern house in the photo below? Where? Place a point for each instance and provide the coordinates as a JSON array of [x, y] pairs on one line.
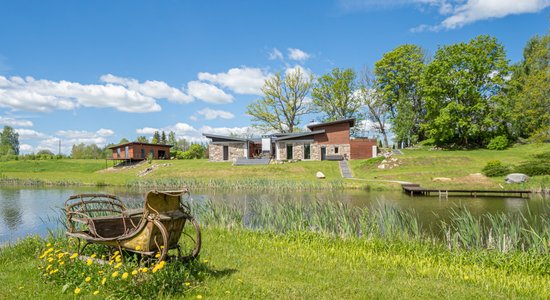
[[323, 141], [136, 151]]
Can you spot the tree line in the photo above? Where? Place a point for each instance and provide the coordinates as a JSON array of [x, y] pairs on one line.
[[467, 95]]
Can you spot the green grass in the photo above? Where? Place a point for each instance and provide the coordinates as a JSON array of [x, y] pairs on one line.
[[252, 264], [422, 166]]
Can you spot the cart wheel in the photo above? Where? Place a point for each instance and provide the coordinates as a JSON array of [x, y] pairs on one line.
[[163, 244], [189, 244]]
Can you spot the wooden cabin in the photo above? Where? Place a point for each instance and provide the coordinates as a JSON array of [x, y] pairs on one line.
[[136, 151]]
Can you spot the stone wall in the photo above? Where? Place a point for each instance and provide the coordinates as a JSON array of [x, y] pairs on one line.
[[236, 150], [343, 150]]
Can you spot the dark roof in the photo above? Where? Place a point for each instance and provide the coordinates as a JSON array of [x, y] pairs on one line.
[[138, 143], [300, 134], [350, 121], [223, 137]]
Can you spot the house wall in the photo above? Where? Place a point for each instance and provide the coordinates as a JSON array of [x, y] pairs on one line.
[[343, 150], [334, 134], [134, 151], [236, 150], [297, 150], [362, 148]]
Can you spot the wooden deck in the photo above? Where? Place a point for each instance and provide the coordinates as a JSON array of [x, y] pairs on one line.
[[413, 189]]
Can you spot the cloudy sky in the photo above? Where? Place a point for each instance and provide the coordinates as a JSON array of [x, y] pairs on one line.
[[99, 71]]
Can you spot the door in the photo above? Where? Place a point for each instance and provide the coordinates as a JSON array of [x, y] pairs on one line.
[[307, 151], [225, 152], [288, 151], [323, 153]]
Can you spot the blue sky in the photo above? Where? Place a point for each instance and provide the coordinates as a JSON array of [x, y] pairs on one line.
[[98, 71]]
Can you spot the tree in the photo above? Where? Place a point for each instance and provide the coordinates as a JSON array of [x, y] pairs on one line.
[[194, 152], [156, 138], [123, 141], [142, 139], [398, 76], [172, 139], [377, 109], [82, 151], [283, 103], [9, 141], [163, 139], [462, 87], [529, 89], [334, 95]]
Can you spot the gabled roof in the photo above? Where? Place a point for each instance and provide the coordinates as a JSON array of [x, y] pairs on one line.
[[138, 143], [300, 134], [350, 121], [223, 137]]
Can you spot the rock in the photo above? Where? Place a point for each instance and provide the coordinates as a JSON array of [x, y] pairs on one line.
[[320, 175], [442, 179], [516, 178], [382, 166]]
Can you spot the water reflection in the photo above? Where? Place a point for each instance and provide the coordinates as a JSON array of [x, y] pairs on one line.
[[26, 211]]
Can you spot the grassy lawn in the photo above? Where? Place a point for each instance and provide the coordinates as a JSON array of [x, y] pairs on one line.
[[422, 166], [249, 264]]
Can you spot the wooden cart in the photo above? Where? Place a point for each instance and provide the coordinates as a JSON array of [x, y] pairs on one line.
[[163, 224]]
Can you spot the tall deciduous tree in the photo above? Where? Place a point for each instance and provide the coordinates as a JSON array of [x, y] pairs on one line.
[[530, 89], [142, 139], [283, 103], [9, 141], [334, 95], [377, 108], [462, 86], [398, 76]]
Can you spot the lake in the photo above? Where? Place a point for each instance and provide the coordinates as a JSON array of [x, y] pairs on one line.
[[25, 210]]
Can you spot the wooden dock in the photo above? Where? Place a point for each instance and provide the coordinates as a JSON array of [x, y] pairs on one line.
[[413, 189]]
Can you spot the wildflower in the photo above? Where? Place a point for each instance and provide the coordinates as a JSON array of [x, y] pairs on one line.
[[134, 272], [89, 261], [115, 274], [96, 292], [50, 259], [93, 255], [73, 256], [125, 275], [157, 255], [48, 244], [103, 280], [187, 284], [144, 270], [60, 255], [77, 290], [48, 267], [116, 253], [88, 279], [199, 296], [205, 261], [118, 259], [118, 265], [138, 247], [61, 262], [100, 272]]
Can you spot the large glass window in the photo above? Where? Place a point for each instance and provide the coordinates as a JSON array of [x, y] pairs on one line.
[[307, 151]]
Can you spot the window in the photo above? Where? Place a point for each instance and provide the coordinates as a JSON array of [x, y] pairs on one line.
[[118, 152], [126, 152], [335, 150], [307, 151], [289, 152]]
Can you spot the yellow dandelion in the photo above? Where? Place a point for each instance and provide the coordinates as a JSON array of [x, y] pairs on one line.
[[77, 291], [48, 267], [125, 275], [157, 255], [61, 262], [118, 265], [138, 247], [89, 261], [155, 269], [116, 252], [60, 255], [187, 284], [57, 251], [48, 244], [88, 279], [115, 274], [103, 280], [110, 262], [118, 259], [199, 296], [93, 255], [73, 256], [100, 272], [50, 259], [96, 292], [144, 270], [205, 261], [42, 256], [135, 272]]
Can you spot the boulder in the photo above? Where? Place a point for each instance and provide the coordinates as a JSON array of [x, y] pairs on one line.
[[320, 175], [442, 179], [516, 178]]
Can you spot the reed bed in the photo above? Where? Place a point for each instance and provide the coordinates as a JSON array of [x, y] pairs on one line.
[[503, 232]]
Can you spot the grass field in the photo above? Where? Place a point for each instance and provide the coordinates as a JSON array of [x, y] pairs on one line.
[[418, 166]]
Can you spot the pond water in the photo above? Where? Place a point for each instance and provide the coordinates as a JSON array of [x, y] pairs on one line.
[[25, 211]]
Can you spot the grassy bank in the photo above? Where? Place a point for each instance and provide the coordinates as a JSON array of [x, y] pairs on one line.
[[419, 166]]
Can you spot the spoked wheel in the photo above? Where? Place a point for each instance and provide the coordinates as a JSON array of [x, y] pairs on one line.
[[189, 244], [160, 242]]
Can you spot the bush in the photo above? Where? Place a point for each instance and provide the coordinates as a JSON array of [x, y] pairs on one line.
[[495, 168], [194, 152], [534, 167], [498, 143]]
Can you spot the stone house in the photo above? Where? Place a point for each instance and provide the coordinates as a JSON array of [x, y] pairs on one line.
[[324, 141]]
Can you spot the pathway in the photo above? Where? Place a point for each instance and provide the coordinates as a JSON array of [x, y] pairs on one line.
[[344, 169]]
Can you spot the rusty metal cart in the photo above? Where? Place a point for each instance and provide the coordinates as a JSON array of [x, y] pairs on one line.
[[164, 225]]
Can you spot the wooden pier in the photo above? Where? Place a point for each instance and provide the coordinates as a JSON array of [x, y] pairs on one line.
[[413, 189]]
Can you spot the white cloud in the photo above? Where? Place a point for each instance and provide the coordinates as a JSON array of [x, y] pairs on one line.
[[105, 132], [150, 88], [30, 94], [242, 80], [211, 114], [190, 133], [275, 54], [208, 92], [25, 148], [297, 54], [29, 134], [83, 134], [15, 122], [193, 118], [306, 73]]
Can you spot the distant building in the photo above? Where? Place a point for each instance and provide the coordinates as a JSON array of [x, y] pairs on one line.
[[135, 151], [324, 141]]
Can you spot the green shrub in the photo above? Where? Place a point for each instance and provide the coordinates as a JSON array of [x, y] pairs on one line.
[[534, 167], [498, 143], [495, 168]]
